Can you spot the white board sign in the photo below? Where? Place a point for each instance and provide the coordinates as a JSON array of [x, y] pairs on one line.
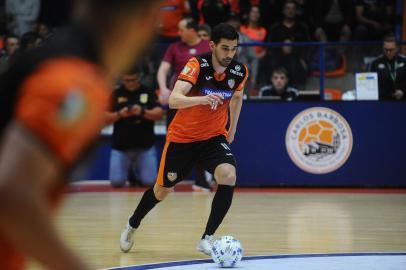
[[367, 86]]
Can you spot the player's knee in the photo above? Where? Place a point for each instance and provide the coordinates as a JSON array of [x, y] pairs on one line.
[[226, 176], [161, 192]]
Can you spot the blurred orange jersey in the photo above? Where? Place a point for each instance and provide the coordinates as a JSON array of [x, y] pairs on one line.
[[60, 96], [172, 12], [200, 122]]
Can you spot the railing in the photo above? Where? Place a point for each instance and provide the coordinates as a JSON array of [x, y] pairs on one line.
[[322, 52]]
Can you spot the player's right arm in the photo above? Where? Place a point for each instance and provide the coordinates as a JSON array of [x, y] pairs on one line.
[[187, 79], [58, 113], [27, 173]]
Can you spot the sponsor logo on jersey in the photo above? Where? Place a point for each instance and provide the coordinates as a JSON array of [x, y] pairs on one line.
[[319, 140], [232, 71], [227, 94], [237, 68], [208, 78]]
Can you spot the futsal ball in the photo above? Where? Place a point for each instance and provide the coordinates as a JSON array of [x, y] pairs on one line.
[[226, 251]]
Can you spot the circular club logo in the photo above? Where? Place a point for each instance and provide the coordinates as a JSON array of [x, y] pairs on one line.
[[319, 140]]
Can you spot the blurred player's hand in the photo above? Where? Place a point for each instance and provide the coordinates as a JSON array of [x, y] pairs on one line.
[[213, 100]]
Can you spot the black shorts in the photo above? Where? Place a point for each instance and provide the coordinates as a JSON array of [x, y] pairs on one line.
[[178, 159]]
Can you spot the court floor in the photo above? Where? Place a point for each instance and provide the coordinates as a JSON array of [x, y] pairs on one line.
[[281, 222]]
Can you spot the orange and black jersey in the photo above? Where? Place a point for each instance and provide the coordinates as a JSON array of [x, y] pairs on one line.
[[200, 123], [57, 92]]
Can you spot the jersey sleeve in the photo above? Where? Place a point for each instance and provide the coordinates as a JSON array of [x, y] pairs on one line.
[[244, 81], [63, 105], [190, 72]]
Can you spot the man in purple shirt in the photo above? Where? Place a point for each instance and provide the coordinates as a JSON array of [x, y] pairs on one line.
[[178, 54]]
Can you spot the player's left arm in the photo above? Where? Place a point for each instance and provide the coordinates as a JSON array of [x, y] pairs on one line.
[[235, 109]]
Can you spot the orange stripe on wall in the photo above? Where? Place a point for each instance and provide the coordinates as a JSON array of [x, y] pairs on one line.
[[160, 179]]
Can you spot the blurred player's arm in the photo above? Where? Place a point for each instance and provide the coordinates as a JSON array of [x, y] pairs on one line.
[[27, 173], [235, 108]]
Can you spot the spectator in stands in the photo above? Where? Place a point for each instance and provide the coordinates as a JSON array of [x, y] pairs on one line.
[[256, 33], [245, 54], [279, 86], [30, 40], [214, 12], [374, 19], [176, 56], [270, 10], [289, 27], [22, 15], [11, 45], [391, 69], [294, 64], [292, 30], [43, 31], [172, 12], [333, 19], [135, 108], [204, 32]]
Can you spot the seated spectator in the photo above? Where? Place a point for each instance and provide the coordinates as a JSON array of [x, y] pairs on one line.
[[391, 69], [279, 86], [30, 40], [333, 19], [374, 19], [11, 45], [256, 33], [22, 15], [204, 32], [135, 108]]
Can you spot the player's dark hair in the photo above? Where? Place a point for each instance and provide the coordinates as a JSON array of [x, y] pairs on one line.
[[224, 31]]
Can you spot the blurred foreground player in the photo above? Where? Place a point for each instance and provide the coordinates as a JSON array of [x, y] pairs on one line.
[[52, 104]]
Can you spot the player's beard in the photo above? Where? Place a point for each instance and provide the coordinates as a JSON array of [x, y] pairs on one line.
[[224, 62]]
